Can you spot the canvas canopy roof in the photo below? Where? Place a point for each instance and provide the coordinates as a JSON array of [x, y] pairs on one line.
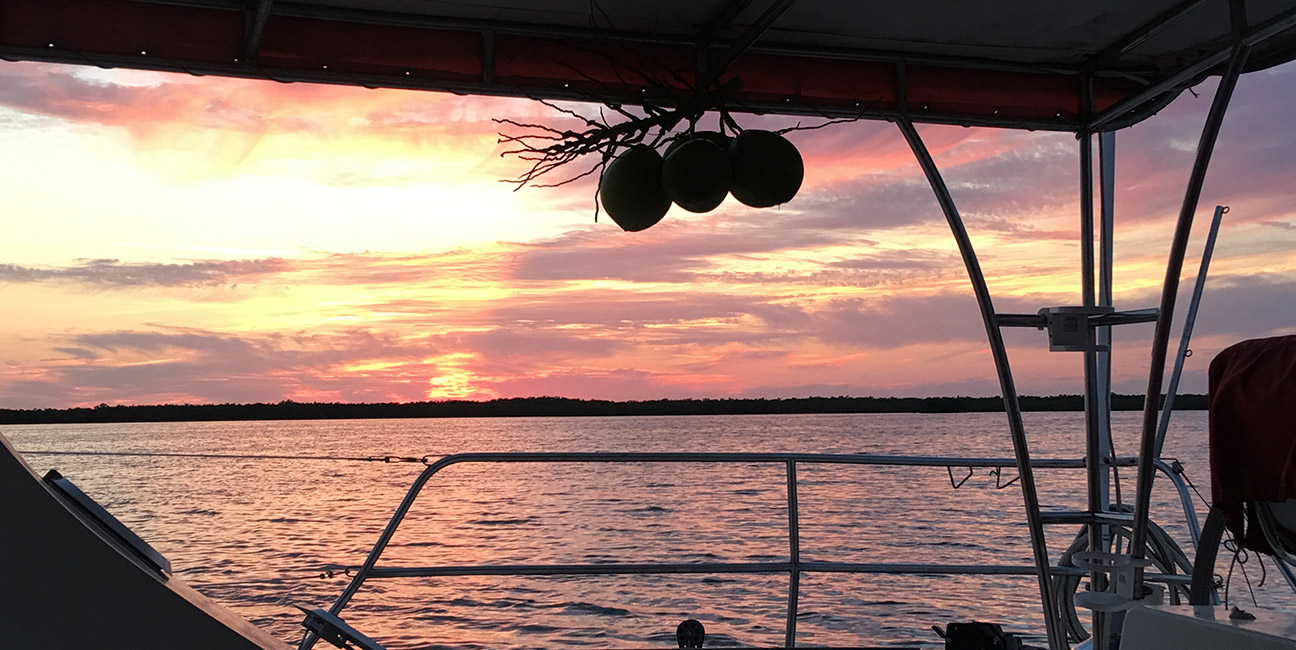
[[1016, 63]]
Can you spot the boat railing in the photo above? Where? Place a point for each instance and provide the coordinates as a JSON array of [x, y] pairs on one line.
[[794, 566]]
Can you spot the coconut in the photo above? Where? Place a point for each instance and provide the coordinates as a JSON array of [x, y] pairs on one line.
[[631, 189], [767, 169], [696, 173], [721, 140]]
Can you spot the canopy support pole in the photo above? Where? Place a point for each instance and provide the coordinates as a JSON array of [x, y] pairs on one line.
[[1189, 320], [254, 30], [1106, 254], [1094, 472], [744, 42], [1161, 336], [1043, 569]]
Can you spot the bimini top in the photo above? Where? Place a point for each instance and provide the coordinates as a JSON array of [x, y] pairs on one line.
[[1092, 65]]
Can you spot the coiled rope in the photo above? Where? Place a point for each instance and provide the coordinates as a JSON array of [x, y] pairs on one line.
[[1165, 554]]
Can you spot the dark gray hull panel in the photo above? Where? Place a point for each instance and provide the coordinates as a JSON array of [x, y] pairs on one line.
[[66, 582]]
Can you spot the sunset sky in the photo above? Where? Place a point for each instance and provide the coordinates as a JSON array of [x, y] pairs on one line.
[[171, 239]]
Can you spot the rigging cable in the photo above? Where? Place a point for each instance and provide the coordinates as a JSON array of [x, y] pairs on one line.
[[159, 454], [1240, 555]]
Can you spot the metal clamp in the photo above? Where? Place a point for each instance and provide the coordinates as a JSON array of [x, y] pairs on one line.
[[336, 631]]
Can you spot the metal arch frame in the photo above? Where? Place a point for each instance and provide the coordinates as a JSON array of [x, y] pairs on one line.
[[1097, 365], [1165, 313], [1034, 521]]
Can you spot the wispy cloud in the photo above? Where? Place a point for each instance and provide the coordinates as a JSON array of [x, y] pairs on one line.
[[193, 365], [344, 269], [135, 100], [115, 273]]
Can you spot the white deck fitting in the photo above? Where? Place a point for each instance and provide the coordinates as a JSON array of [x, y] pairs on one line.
[[1206, 628]]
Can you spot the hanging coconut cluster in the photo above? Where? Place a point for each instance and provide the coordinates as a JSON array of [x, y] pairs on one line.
[[760, 168]]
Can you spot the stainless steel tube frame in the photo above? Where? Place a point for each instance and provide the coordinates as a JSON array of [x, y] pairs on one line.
[[1056, 633], [1161, 337]]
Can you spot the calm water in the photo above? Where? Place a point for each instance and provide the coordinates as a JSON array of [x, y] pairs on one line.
[[256, 535]]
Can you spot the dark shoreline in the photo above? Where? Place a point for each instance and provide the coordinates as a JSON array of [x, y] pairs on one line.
[[562, 407]]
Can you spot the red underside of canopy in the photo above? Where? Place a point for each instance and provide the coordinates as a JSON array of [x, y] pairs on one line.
[[117, 33]]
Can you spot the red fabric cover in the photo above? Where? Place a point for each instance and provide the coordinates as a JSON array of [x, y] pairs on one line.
[[210, 40], [1253, 431]]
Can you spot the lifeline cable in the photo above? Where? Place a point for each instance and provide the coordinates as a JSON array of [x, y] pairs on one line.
[[354, 459]]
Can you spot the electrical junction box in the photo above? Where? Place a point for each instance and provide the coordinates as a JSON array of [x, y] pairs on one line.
[[1069, 329]]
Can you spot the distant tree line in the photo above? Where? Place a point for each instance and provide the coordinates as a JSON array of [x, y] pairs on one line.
[[561, 406]]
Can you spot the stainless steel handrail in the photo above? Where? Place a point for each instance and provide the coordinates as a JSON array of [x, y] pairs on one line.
[[892, 568], [794, 567], [1190, 512]]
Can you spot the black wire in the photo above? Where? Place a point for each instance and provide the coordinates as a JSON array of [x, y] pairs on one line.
[[1240, 558], [1264, 572], [1179, 469], [1240, 555]]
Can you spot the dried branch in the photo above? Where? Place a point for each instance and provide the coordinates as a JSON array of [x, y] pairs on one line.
[[548, 148], [829, 122], [665, 100]]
